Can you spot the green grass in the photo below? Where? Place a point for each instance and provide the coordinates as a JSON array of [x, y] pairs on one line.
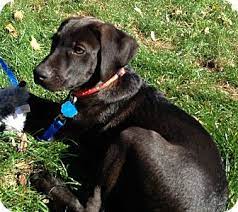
[[189, 33]]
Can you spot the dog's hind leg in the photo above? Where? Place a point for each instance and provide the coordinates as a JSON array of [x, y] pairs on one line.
[[142, 171]]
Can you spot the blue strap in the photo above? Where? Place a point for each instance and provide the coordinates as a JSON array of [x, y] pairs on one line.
[[68, 110], [12, 78], [49, 134]]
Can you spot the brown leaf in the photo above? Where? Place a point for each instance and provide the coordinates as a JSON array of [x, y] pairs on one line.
[[34, 44], [18, 15], [23, 142], [178, 12], [22, 179], [11, 30]]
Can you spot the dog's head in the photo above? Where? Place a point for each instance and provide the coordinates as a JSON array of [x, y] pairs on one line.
[[84, 50]]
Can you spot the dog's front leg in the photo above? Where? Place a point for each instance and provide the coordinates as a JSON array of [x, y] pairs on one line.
[[61, 197], [57, 191], [112, 166], [111, 169]]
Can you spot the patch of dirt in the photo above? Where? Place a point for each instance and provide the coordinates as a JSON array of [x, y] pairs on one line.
[[211, 65], [77, 14], [229, 89], [11, 177]]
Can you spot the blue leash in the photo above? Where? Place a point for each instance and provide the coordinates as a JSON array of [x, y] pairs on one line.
[[12, 78], [51, 131], [68, 109]]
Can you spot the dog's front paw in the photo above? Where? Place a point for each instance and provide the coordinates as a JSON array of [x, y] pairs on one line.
[[57, 191]]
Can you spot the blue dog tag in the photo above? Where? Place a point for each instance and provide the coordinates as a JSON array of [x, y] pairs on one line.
[[68, 109]]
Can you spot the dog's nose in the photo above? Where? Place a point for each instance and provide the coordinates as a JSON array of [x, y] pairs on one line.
[[42, 74]]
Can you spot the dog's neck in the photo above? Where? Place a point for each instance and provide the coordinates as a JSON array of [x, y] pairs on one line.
[[99, 86], [103, 109]]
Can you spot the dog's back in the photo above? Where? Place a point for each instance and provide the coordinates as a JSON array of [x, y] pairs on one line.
[[173, 164]]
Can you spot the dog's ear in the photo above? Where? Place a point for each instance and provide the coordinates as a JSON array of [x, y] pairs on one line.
[[117, 49]]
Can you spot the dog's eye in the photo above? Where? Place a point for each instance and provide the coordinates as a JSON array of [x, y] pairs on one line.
[[79, 49]]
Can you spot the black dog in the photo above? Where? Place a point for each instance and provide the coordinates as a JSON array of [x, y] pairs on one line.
[[141, 153]]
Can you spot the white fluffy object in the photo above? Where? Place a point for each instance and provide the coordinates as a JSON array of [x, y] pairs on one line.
[[16, 121], [3, 3], [13, 108]]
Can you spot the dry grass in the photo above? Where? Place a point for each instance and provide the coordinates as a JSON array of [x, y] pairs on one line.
[[229, 90]]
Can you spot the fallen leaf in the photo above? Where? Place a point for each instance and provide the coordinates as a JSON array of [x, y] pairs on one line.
[[229, 21], [152, 35], [23, 142], [206, 30], [11, 29], [137, 9], [22, 179], [18, 15], [178, 12], [34, 44], [167, 18], [203, 13], [12, 140]]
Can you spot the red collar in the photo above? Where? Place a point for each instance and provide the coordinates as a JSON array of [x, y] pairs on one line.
[[100, 86]]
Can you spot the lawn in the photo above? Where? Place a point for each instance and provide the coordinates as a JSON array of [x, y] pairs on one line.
[[188, 50]]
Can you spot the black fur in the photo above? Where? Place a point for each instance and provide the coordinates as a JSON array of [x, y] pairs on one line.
[[137, 151]]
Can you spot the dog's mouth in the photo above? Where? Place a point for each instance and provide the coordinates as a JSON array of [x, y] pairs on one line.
[[54, 84]]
